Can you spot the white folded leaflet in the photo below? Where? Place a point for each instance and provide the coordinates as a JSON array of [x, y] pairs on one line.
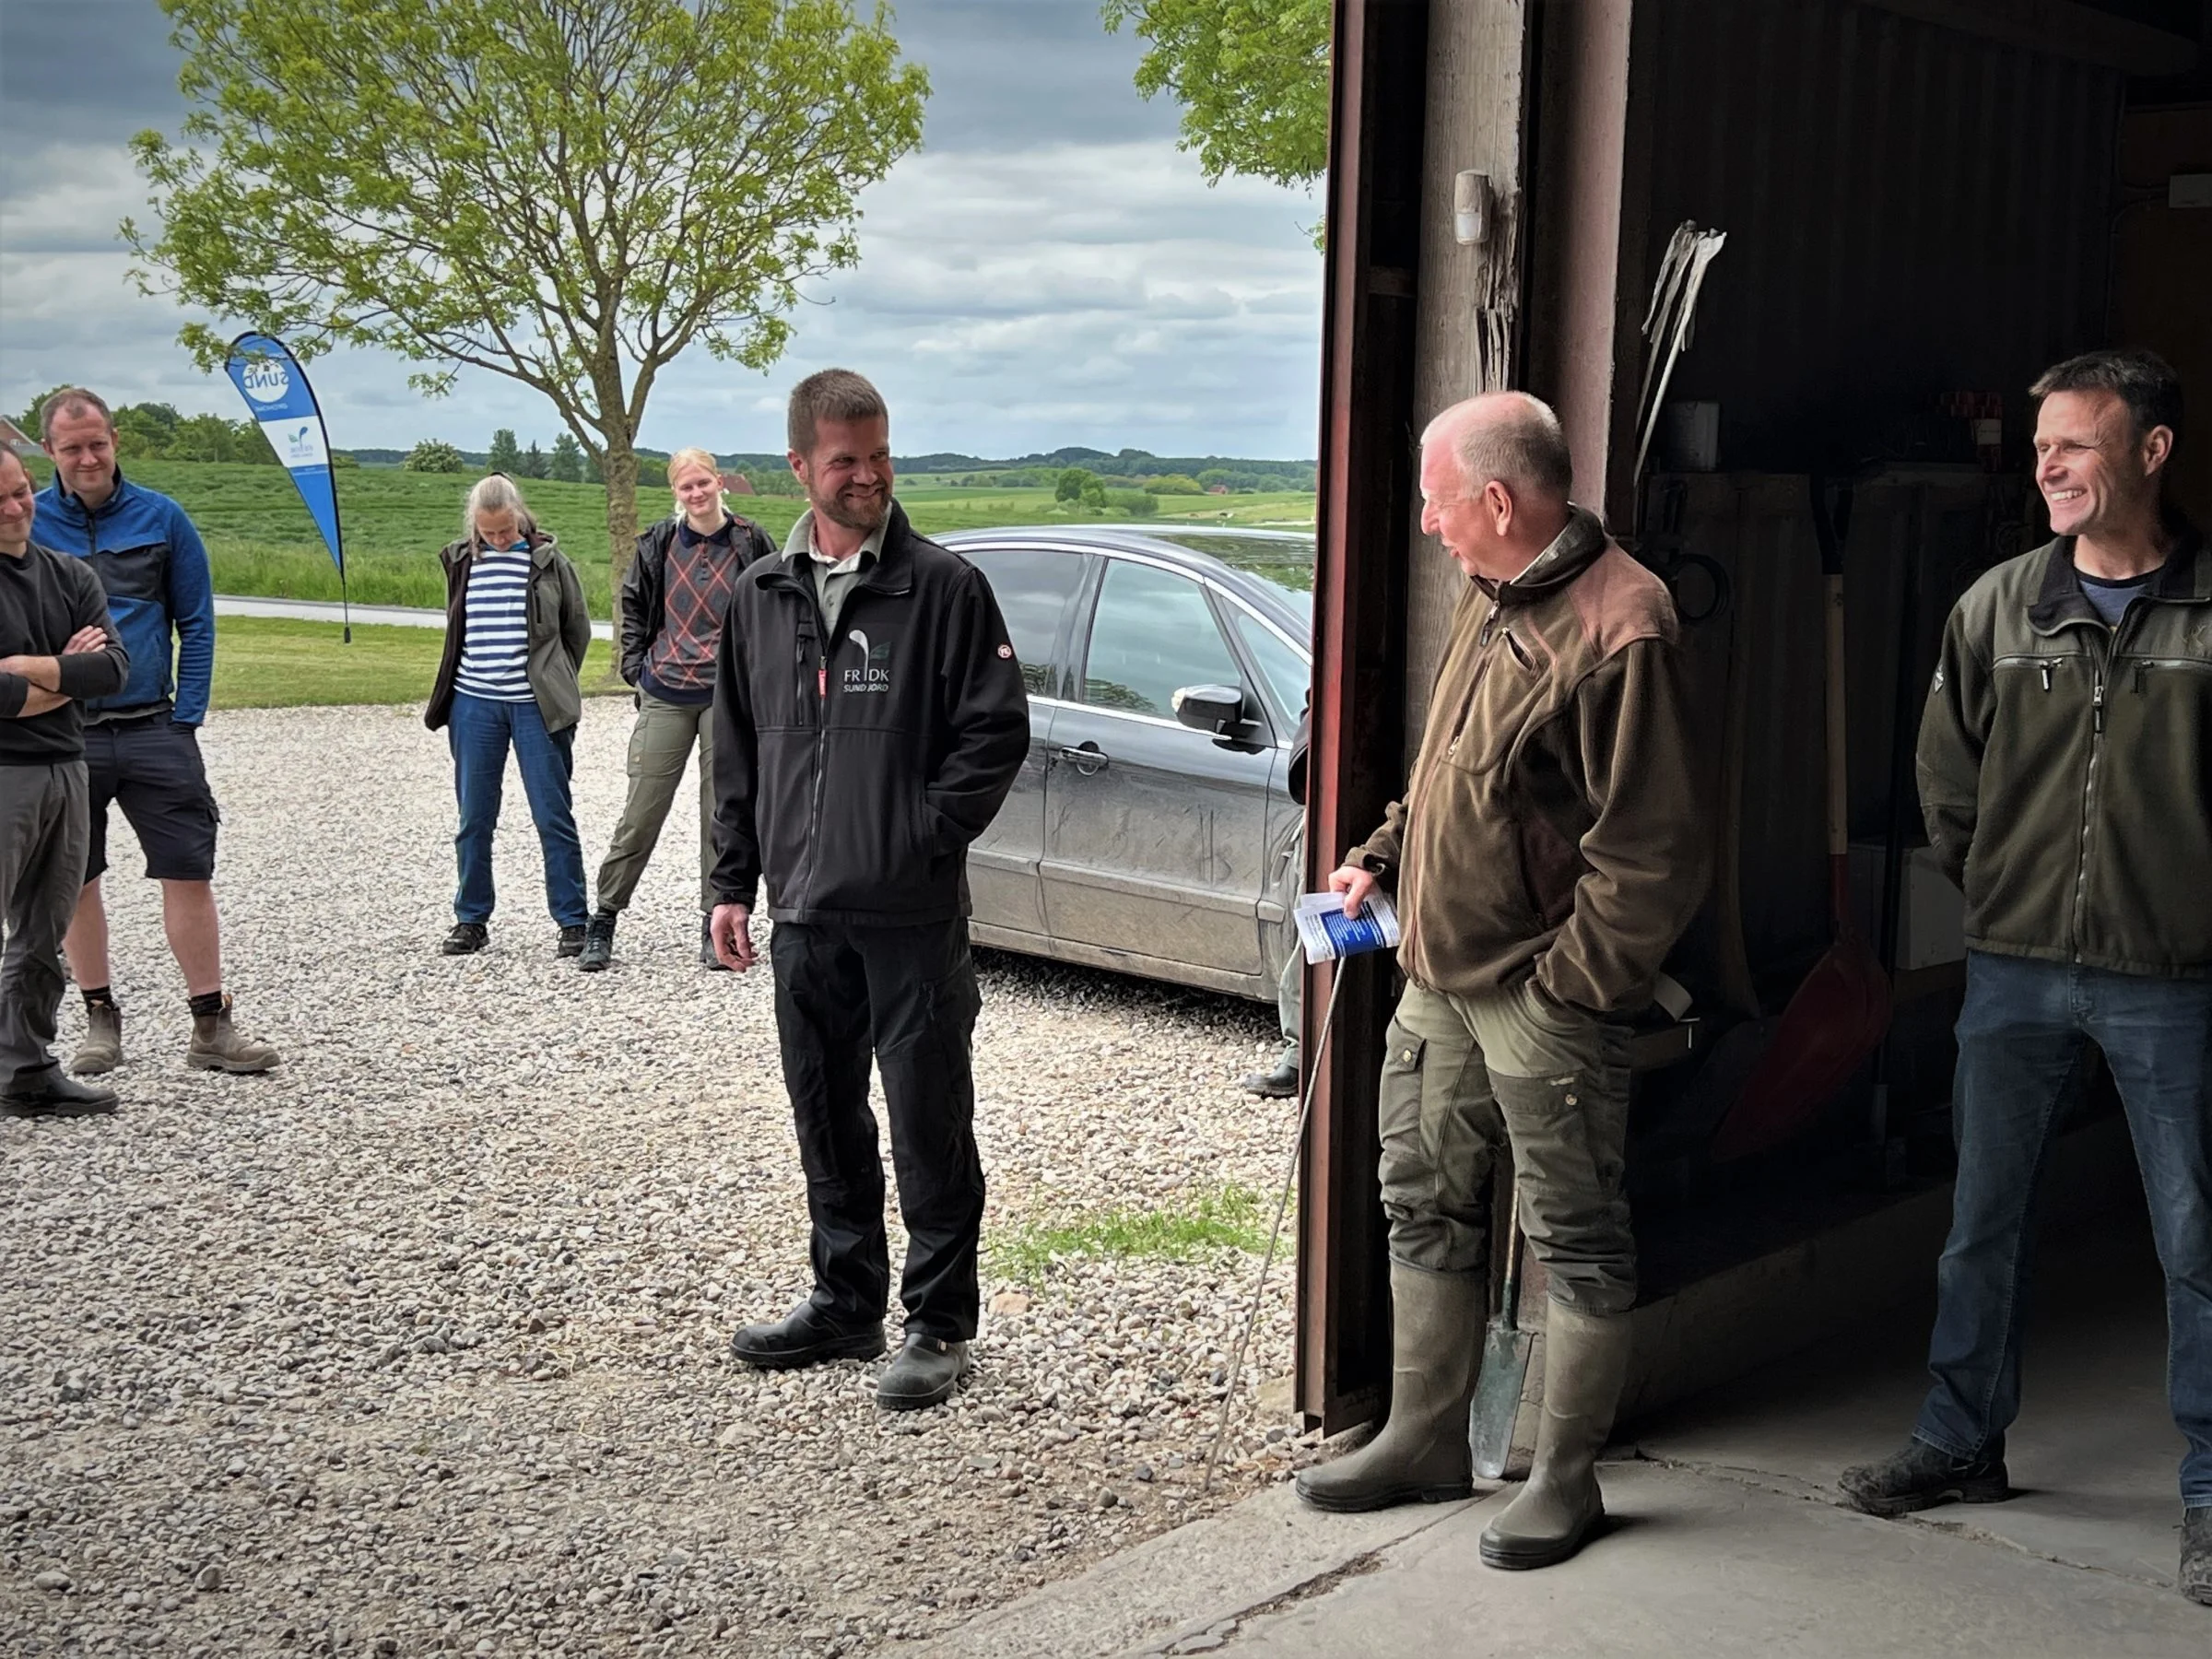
[[1327, 932]]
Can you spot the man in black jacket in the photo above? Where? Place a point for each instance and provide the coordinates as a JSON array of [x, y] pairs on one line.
[[57, 648], [869, 719]]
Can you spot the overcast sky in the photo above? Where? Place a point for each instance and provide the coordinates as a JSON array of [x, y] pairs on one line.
[[1048, 269]]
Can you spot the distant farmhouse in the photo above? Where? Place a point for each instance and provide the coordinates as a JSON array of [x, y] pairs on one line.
[[737, 483]]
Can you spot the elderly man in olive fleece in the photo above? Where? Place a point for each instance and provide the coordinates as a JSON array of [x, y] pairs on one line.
[[1550, 850], [57, 647]]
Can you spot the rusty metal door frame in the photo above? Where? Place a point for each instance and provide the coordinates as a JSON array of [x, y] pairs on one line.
[[1411, 321]]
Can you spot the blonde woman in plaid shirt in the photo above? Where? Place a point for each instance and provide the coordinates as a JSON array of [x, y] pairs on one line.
[[672, 606]]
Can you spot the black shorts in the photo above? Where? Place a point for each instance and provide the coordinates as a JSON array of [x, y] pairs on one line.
[[151, 769]]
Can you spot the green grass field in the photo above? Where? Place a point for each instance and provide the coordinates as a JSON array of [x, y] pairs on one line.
[[262, 662], [262, 542]]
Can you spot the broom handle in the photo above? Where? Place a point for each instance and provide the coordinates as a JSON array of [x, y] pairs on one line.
[[1839, 762]]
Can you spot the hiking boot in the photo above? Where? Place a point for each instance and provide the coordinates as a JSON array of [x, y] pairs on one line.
[[1280, 1081], [707, 958], [1586, 1362], [1921, 1476], [467, 939], [1421, 1454], [216, 1046], [598, 942], [924, 1373], [569, 945], [101, 1050], [2196, 1554], [48, 1093], [807, 1335]]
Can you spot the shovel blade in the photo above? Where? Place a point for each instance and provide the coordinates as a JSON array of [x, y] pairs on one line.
[[1497, 1398]]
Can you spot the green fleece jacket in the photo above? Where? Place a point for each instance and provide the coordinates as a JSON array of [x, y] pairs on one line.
[[1553, 824], [2066, 766]]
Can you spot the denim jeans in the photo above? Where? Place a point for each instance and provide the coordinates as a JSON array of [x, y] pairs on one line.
[[2022, 1037], [480, 733]]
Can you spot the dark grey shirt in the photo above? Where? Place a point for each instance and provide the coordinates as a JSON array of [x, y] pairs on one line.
[[44, 598]]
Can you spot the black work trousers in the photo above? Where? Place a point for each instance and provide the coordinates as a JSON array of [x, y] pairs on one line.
[[909, 995]]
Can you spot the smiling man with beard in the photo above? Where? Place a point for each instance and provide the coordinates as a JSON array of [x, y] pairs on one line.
[[869, 719], [2063, 777]]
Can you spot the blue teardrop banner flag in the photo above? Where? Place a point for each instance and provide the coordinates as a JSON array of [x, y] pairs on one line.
[[283, 405]]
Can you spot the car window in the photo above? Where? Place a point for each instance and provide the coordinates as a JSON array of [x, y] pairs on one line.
[[1152, 635], [1032, 586], [1282, 668]]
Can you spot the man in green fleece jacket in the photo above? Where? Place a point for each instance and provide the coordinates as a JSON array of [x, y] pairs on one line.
[[2065, 773], [1550, 850]]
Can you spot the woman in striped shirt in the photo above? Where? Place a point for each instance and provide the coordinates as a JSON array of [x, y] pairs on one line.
[[515, 634]]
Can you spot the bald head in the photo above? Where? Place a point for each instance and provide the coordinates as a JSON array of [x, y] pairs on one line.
[[1495, 476], [17, 503], [1512, 438]]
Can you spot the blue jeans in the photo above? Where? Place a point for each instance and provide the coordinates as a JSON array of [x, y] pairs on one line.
[[2022, 1037], [480, 733]]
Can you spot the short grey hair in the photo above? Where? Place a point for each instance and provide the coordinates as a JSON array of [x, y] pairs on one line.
[[496, 493], [1516, 441]]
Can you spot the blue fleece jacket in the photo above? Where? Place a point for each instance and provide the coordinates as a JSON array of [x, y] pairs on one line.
[[154, 567]]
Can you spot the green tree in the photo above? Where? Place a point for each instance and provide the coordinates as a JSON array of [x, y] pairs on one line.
[[1252, 77], [1176, 483], [1073, 482], [505, 455], [534, 461], [432, 456], [568, 192], [1094, 495], [566, 462]]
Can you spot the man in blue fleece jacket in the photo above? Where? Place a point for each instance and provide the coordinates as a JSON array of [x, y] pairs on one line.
[[142, 746]]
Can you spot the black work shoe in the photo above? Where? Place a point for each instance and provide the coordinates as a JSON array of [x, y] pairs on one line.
[[571, 943], [707, 958], [1921, 1476], [598, 942], [54, 1093], [925, 1372], [1280, 1081], [467, 939], [2196, 1554], [806, 1336]]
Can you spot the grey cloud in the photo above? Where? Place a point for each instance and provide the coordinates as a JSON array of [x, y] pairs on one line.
[[1047, 270]]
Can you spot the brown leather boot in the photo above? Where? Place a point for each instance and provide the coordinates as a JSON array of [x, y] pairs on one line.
[[216, 1047], [101, 1050]]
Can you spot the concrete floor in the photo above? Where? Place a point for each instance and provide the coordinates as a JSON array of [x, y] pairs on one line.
[[1725, 1537]]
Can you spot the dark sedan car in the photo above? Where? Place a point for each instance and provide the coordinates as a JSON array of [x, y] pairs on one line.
[[1151, 829]]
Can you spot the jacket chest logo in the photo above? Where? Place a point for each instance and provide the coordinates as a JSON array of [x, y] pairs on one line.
[[867, 667]]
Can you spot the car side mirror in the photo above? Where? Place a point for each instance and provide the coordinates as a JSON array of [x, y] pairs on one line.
[[1214, 710]]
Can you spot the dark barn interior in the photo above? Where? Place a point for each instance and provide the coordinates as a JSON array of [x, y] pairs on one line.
[[1926, 202]]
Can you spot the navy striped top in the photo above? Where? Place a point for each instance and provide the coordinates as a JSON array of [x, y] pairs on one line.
[[495, 644]]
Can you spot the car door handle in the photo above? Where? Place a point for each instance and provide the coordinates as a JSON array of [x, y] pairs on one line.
[[1088, 759]]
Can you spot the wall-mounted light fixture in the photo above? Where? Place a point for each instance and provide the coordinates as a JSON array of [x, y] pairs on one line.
[[1471, 208]]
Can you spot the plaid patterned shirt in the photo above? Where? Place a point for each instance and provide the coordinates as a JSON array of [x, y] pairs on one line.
[[701, 575]]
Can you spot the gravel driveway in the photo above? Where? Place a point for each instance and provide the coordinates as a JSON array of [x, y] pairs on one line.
[[419, 1343]]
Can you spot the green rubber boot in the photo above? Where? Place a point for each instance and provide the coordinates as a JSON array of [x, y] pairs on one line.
[[1420, 1455], [1586, 1363]]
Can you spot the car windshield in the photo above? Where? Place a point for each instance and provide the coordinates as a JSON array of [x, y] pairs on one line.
[[1285, 562]]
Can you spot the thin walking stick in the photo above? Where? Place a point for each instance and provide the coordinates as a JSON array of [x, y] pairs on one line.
[[1282, 1205]]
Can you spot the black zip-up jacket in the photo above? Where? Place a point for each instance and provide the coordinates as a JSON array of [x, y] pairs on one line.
[[644, 604], [853, 770]]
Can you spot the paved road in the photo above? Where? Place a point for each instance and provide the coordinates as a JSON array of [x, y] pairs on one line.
[[322, 610]]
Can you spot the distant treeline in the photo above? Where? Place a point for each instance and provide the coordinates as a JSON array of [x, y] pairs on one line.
[[770, 475]]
